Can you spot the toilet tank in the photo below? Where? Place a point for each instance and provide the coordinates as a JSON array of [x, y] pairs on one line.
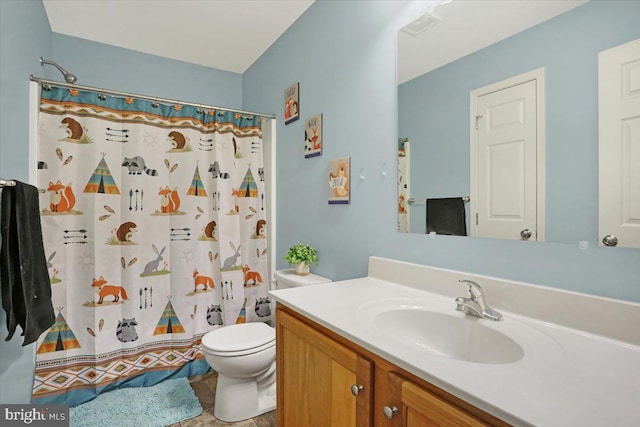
[[289, 279]]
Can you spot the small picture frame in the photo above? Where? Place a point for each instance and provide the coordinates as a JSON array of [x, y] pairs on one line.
[[313, 136], [292, 103], [339, 185]]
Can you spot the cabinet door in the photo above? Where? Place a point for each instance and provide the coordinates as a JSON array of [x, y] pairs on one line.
[[315, 376], [412, 406]]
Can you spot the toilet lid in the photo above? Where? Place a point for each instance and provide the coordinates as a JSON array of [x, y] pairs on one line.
[[239, 337]]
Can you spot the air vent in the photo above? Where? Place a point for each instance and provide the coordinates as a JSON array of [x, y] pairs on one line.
[[420, 25]]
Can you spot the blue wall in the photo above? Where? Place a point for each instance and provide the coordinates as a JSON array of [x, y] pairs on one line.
[[25, 35], [343, 55], [434, 113], [110, 67]]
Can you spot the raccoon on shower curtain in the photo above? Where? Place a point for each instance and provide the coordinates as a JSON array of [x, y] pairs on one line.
[[154, 227]]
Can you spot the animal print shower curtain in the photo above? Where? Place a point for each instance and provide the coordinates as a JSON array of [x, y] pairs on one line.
[[154, 225]]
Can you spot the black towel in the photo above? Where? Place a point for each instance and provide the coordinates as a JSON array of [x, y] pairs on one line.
[[446, 216], [26, 289]]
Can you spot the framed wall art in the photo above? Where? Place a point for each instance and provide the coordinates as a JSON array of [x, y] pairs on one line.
[[313, 136], [339, 185], [292, 103]]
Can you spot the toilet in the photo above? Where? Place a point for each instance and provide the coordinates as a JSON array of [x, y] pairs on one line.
[[244, 356]]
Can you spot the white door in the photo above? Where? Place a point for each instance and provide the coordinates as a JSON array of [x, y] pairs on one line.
[[619, 145], [506, 187]]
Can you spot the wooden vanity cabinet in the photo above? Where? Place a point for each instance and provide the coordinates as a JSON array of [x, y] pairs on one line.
[[317, 369], [410, 405], [315, 377]]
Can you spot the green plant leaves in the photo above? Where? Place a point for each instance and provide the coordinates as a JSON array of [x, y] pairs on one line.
[[302, 253]]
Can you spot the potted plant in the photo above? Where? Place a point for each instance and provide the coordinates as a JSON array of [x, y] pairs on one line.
[[302, 256]]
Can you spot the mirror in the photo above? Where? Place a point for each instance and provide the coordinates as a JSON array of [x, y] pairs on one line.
[[446, 72]]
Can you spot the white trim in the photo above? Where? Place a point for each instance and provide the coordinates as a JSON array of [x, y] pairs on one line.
[[269, 133], [34, 108], [539, 76]]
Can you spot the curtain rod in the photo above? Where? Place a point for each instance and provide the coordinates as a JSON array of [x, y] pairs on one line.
[[149, 98]]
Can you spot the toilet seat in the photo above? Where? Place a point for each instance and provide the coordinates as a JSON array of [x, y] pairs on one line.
[[240, 339], [239, 352]]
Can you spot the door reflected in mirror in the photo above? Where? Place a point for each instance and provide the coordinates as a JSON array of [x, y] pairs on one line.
[[461, 108]]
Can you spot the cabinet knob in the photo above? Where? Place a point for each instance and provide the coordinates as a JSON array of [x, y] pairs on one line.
[[389, 412], [610, 240], [356, 389]]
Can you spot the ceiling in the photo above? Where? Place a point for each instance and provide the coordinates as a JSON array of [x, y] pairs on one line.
[[228, 35], [231, 35], [470, 25]]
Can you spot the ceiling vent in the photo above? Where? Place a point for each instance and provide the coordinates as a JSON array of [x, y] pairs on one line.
[[420, 25]]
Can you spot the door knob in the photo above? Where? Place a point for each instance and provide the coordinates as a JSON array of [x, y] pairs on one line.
[[356, 389], [389, 412], [525, 234], [610, 240]]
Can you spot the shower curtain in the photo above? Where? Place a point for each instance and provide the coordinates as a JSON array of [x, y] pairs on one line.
[[154, 226], [404, 189]]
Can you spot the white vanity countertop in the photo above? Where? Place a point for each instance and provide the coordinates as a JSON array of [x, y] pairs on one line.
[[566, 377]]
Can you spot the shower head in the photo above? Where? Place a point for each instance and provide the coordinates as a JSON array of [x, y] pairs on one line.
[[68, 77]]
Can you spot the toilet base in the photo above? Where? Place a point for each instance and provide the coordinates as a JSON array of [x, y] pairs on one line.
[[239, 399]]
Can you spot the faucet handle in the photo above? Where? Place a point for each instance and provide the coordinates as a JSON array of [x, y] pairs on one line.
[[475, 290]]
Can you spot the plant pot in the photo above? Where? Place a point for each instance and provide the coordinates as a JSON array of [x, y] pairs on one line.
[[302, 269]]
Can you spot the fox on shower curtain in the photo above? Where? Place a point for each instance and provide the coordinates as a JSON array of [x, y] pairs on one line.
[[154, 225]]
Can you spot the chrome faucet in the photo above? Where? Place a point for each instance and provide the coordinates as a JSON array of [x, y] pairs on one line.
[[475, 305]]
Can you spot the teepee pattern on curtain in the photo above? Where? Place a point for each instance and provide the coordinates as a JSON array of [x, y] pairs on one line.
[[152, 219], [59, 337]]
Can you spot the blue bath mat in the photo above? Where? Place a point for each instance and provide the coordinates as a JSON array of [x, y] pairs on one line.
[[168, 402]]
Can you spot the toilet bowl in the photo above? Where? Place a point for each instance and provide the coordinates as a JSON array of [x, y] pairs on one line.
[[244, 356]]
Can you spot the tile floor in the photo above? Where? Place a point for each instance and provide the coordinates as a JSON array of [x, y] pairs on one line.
[[205, 387]]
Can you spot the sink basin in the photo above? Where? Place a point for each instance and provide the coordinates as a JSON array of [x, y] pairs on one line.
[[455, 336]]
